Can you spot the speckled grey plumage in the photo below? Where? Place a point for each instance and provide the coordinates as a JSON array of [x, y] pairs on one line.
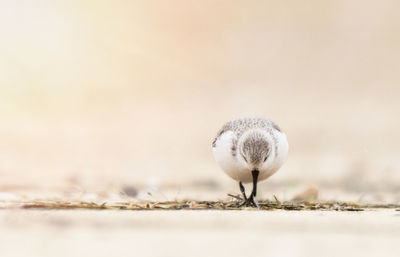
[[240, 126]]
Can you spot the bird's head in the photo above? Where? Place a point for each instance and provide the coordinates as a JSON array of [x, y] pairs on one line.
[[255, 148]]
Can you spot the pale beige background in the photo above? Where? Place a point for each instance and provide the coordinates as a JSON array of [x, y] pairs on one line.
[[95, 95]]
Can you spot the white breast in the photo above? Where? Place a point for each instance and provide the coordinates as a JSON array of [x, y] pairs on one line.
[[229, 163], [282, 148]]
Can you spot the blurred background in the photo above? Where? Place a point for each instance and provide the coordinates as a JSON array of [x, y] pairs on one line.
[[123, 98]]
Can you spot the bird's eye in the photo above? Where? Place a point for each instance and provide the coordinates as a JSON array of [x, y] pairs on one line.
[[265, 159]]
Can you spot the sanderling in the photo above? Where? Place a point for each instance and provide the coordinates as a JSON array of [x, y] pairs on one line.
[[250, 150]]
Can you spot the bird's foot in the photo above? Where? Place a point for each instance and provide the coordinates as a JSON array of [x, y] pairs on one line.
[[250, 202]]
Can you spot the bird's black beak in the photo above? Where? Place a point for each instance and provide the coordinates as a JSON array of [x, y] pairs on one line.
[[255, 173]]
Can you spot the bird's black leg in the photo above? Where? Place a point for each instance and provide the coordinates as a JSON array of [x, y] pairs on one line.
[[243, 191], [245, 199], [250, 201]]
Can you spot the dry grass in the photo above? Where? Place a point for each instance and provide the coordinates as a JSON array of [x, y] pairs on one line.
[[233, 204]]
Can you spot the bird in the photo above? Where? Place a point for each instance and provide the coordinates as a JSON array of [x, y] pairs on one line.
[[250, 150]]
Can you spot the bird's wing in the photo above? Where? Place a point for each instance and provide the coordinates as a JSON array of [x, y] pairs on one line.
[[225, 128], [275, 126]]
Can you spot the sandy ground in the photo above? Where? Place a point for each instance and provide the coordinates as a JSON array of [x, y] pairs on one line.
[[198, 233]]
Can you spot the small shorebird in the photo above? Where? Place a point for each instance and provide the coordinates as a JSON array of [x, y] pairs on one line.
[[250, 150]]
